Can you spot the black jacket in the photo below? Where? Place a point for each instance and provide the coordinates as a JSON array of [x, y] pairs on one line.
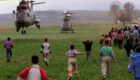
[[88, 45]]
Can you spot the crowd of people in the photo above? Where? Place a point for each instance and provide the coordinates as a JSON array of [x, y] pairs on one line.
[[35, 72], [127, 38]]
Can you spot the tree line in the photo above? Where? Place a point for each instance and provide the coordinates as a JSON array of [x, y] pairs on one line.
[[122, 14]]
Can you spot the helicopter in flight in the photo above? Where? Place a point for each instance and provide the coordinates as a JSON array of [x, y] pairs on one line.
[[25, 15], [67, 23]]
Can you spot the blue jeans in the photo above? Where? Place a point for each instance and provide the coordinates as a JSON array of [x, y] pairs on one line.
[[8, 54]]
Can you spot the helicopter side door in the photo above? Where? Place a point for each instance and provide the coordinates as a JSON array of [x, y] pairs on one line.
[[28, 17]]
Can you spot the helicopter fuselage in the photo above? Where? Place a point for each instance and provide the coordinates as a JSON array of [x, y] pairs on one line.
[[24, 15], [25, 18]]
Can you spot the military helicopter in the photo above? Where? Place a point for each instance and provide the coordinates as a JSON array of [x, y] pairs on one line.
[[67, 23], [25, 16]]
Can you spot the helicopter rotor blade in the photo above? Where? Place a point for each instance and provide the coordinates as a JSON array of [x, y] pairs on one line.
[[31, 1], [2, 0], [6, 0], [39, 3]]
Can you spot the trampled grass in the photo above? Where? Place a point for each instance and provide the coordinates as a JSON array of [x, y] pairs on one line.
[[27, 45]]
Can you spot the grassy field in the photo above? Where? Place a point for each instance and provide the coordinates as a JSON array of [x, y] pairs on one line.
[[27, 45]]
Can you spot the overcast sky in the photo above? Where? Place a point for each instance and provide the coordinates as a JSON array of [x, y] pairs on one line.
[[7, 6]]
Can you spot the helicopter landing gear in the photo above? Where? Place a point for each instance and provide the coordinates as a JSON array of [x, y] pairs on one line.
[[17, 26], [66, 29], [38, 26], [17, 29], [23, 32], [72, 30]]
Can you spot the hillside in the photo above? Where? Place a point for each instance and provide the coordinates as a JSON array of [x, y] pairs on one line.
[[55, 17]]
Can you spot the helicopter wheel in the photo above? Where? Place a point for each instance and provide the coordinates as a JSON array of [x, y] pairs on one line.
[[38, 26], [72, 31], [22, 32], [17, 29]]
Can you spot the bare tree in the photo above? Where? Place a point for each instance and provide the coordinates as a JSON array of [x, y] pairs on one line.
[[122, 17], [129, 11], [115, 11], [125, 14]]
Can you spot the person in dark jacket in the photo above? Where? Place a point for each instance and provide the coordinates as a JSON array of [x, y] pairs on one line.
[[136, 44], [88, 45], [128, 47]]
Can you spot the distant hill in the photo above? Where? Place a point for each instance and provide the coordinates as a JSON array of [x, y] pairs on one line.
[[55, 17]]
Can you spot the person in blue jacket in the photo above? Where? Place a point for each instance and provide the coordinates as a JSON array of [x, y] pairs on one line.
[[135, 64]]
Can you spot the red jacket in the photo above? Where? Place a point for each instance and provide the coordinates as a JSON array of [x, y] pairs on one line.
[[25, 72]]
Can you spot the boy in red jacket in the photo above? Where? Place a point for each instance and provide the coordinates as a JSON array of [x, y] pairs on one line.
[[35, 72]]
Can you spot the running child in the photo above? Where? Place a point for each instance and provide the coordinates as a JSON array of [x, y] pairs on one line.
[[45, 50], [72, 61], [8, 45]]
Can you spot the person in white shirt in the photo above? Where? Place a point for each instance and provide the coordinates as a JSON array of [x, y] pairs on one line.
[[45, 50]]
